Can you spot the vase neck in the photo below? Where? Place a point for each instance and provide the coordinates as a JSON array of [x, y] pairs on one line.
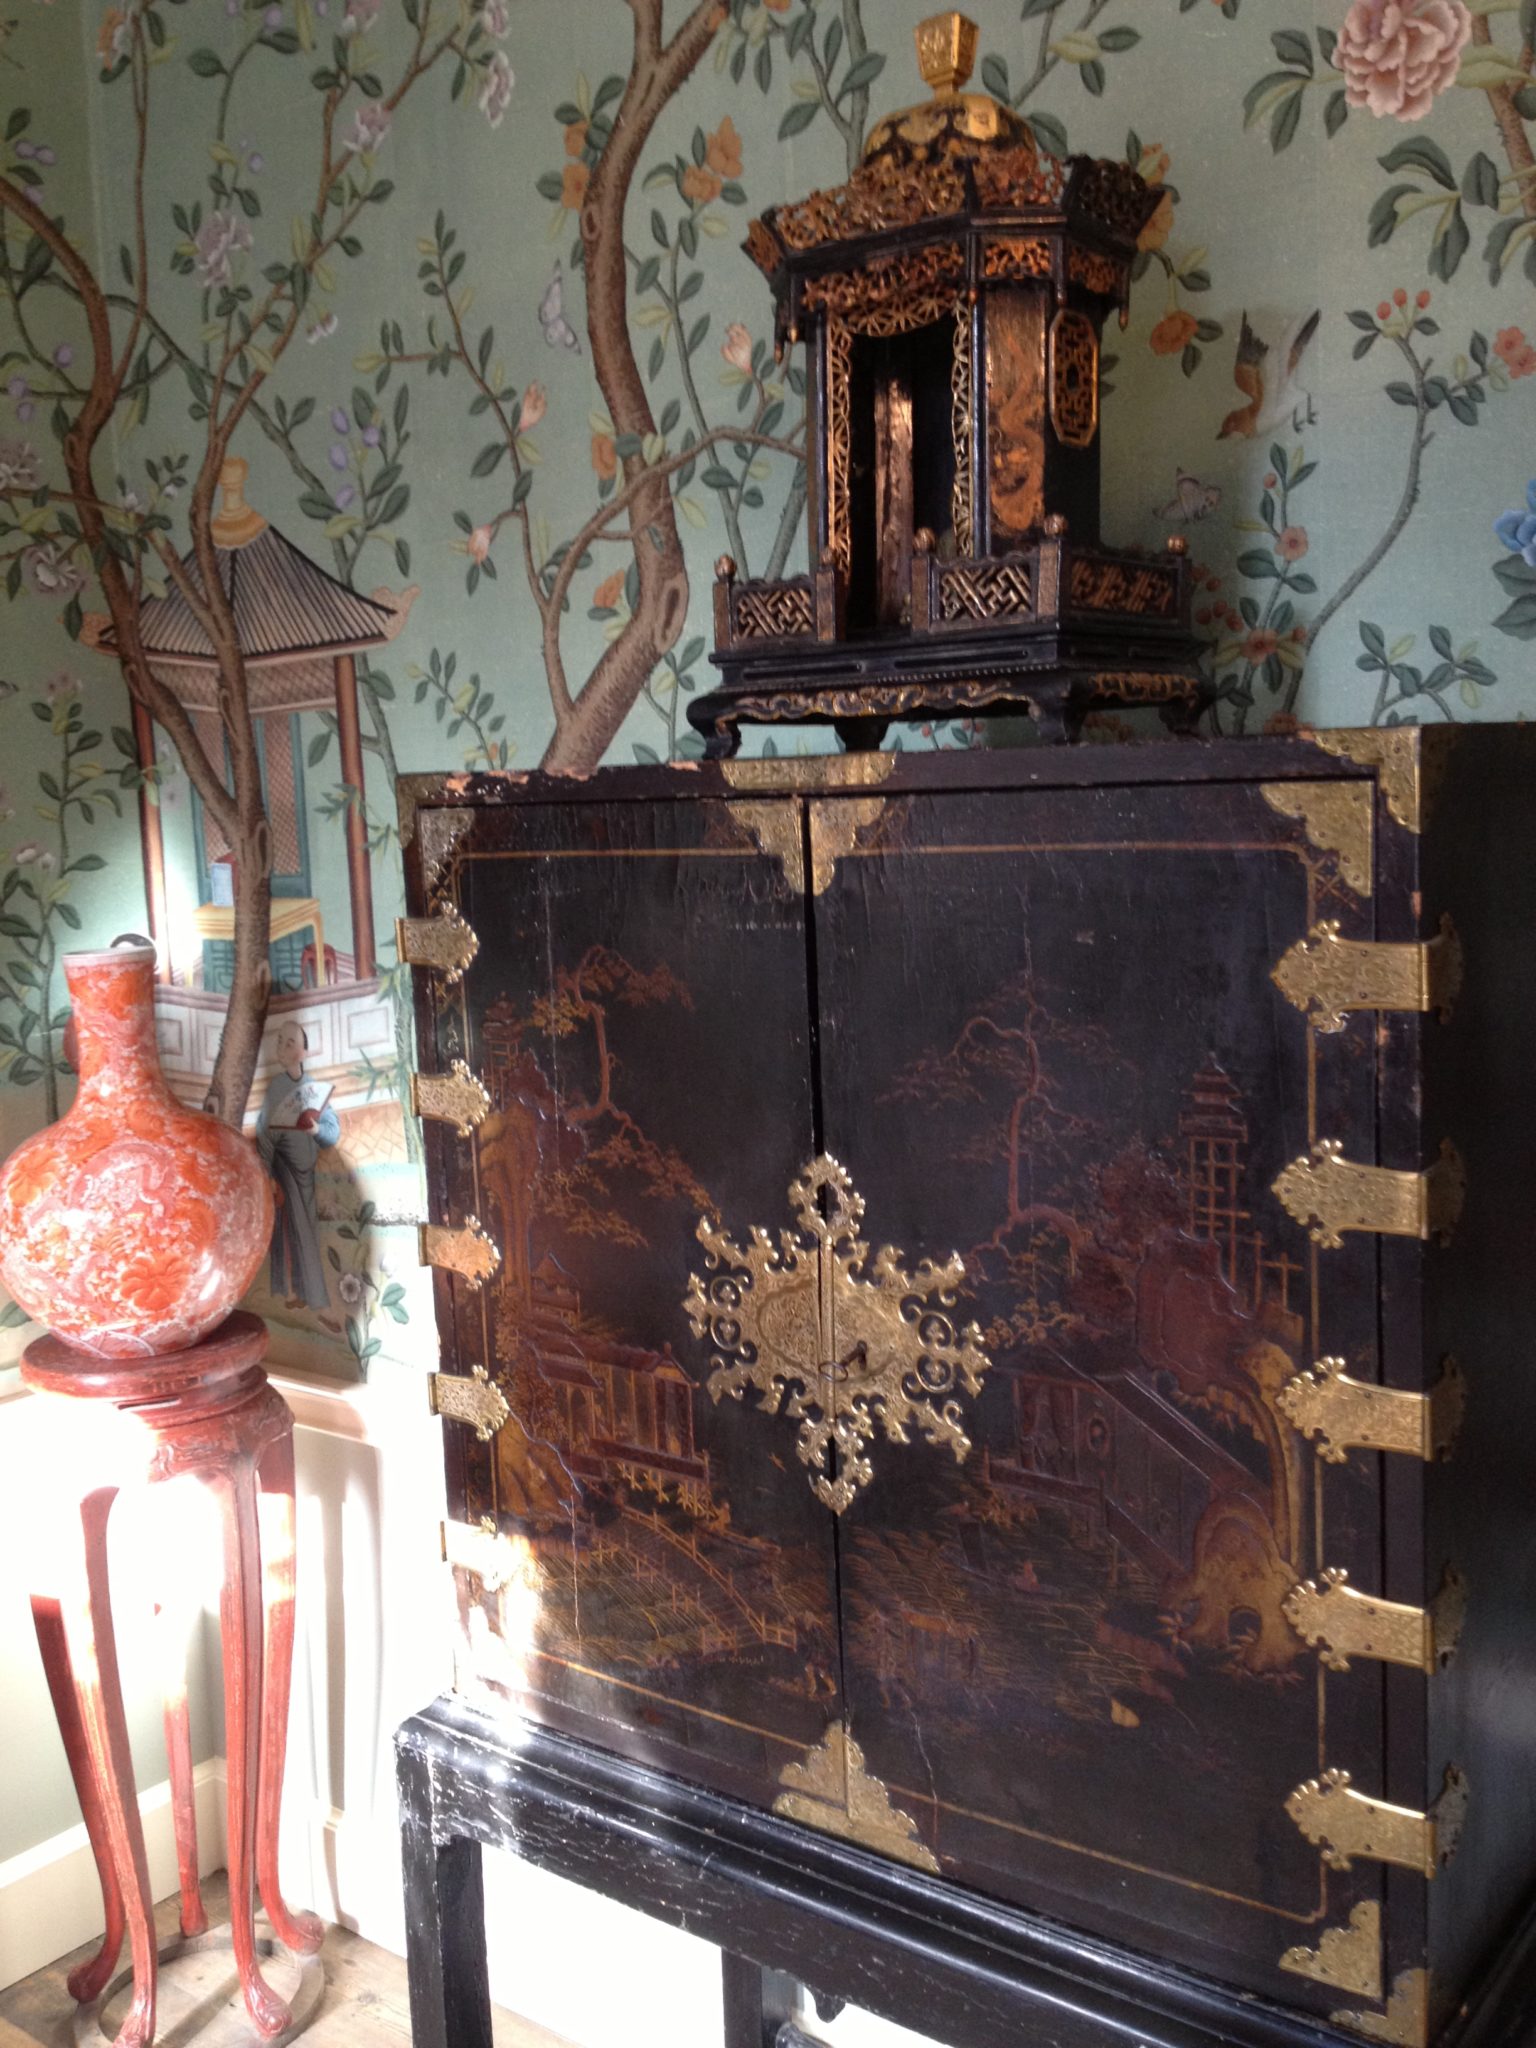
[[113, 997]]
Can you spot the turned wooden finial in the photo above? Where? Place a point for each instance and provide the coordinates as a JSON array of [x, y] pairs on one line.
[[1056, 525], [725, 569], [946, 50], [235, 523], [1177, 544]]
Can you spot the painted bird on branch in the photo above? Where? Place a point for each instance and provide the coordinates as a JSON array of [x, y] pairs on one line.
[[1271, 381]]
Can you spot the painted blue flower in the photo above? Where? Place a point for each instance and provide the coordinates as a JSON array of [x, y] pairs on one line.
[[1517, 530]]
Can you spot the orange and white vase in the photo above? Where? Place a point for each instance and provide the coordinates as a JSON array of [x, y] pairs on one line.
[[133, 1225]]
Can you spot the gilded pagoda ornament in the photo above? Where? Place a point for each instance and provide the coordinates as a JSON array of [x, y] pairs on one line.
[[951, 298], [843, 1344]]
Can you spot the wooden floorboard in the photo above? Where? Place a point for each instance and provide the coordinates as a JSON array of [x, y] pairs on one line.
[[365, 2003]]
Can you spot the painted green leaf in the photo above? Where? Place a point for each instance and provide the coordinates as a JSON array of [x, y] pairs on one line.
[[1480, 181], [1418, 153], [1519, 620]]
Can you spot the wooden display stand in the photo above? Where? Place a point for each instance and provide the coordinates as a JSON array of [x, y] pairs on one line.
[[207, 1412], [786, 1905]]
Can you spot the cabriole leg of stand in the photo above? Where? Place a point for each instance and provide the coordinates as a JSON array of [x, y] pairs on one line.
[[85, 1608], [444, 1923], [301, 1932], [178, 1751], [86, 1980], [240, 1619]]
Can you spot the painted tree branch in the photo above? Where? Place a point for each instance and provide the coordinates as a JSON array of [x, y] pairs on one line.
[[586, 721], [79, 450], [1399, 520], [1512, 129], [642, 486], [236, 804]]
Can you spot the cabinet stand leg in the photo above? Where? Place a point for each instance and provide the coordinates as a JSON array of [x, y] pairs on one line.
[[178, 1751], [241, 1626], [444, 1923], [301, 1932], [758, 2002], [85, 1609], [87, 1980]]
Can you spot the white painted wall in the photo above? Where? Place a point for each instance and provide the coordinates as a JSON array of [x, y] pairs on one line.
[[373, 1646]]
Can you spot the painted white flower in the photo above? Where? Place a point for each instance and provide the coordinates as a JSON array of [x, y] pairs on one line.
[[20, 468], [50, 572], [30, 850], [370, 125], [322, 329], [350, 1287], [222, 236], [359, 17], [61, 686], [496, 86], [497, 17]]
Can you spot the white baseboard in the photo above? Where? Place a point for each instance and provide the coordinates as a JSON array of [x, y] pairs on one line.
[[50, 1897]]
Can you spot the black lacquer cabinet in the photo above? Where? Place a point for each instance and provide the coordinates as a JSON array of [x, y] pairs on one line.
[[987, 1306]]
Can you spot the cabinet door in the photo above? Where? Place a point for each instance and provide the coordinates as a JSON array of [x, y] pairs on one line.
[[1050, 1042], [638, 1013]]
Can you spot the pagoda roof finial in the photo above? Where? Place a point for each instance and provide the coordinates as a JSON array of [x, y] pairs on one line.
[[946, 50], [235, 524]]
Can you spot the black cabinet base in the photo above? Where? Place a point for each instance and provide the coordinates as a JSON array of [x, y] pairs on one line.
[[785, 1904]]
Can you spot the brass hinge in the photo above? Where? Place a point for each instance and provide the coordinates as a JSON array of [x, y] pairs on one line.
[[1339, 1623], [1328, 976], [476, 1401], [465, 1250], [445, 943], [1332, 1194], [1348, 1958], [457, 1097], [1406, 2019], [1345, 1824], [495, 1560], [1345, 1414]]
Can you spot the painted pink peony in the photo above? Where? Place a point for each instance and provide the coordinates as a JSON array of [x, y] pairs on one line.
[[1397, 56]]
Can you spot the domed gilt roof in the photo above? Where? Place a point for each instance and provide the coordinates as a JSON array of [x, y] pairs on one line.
[[957, 154], [954, 123]]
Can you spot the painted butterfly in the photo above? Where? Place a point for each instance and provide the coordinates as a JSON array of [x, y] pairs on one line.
[[1191, 500], [558, 331]]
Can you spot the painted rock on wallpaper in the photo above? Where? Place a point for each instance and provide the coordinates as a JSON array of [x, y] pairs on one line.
[[134, 1224]]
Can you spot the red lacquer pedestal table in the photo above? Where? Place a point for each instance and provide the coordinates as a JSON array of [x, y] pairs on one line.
[[207, 1412]]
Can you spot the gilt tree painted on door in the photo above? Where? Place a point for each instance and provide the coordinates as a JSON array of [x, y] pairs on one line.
[[461, 286]]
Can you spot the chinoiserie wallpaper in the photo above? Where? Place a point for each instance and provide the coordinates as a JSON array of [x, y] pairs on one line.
[[412, 306]]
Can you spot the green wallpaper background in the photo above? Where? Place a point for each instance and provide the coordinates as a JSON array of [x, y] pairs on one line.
[[435, 420]]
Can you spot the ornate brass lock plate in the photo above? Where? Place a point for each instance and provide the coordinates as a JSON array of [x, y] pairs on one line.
[[841, 1343]]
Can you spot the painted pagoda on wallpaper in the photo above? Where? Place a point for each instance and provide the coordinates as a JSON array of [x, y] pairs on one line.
[[300, 633]]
